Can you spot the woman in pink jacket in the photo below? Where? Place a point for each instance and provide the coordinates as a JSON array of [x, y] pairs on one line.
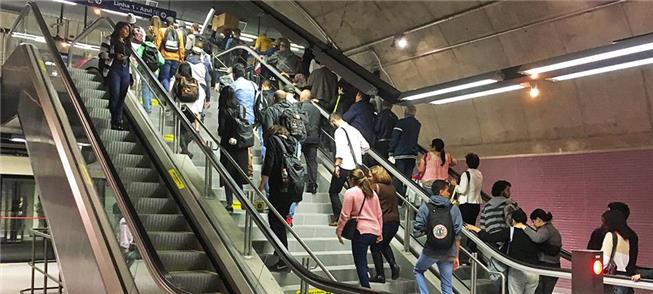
[[362, 203]]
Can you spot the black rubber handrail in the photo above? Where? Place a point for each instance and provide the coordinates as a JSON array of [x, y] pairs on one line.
[[138, 231]]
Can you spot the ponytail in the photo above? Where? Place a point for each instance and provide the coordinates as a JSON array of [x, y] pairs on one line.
[[362, 181], [438, 145], [541, 214]]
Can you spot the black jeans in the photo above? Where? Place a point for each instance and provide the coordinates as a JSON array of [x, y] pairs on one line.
[[389, 231], [406, 167], [359, 245], [277, 226], [334, 190], [381, 148], [310, 153], [547, 284], [470, 212]]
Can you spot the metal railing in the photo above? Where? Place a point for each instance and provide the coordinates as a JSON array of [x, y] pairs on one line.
[[304, 273], [33, 264]]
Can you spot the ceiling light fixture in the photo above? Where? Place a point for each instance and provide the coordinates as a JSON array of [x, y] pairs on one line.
[[400, 41], [18, 140], [591, 58], [65, 2], [97, 11], [534, 92], [479, 94], [451, 89], [603, 69]]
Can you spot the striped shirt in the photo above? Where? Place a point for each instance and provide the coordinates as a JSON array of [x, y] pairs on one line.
[[492, 216]]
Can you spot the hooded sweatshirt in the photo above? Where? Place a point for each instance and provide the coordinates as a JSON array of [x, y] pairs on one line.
[[492, 215], [422, 220]]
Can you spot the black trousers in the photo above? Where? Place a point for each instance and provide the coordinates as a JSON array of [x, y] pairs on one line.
[[547, 284], [381, 147], [405, 166], [334, 190], [277, 225], [310, 154], [470, 212]]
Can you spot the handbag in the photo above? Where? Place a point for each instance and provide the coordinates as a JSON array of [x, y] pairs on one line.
[[350, 228], [611, 266]]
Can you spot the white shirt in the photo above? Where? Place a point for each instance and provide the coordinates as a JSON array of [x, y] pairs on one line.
[[125, 237], [621, 254], [470, 192], [359, 145]]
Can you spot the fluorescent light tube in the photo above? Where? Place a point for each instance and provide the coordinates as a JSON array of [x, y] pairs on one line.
[[451, 89], [65, 2], [35, 38], [603, 69], [18, 140], [479, 94], [591, 58]]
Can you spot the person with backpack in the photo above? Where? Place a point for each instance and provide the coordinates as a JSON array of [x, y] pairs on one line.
[[114, 66], [189, 93], [550, 244], [518, 246], [350, 147], [469, 189], [309, 146], [403, 146], [390, 208], [289, 115], [361, 221], [284, 173], [171, 45], [153, 59], [435, 164], [361, 116], [236, 137], [191, 38], [442, 223]]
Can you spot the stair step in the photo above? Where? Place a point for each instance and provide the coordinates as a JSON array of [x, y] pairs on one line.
[[156, 206], [78, 74], [130, 160], [124, 148], [116, 135], [102, 113], [83, 83], [100, 123], [94, 94], [187, 260], [95, 103], [164, 222], [174, 241], [197, 281], [138, 174], [145, 189]]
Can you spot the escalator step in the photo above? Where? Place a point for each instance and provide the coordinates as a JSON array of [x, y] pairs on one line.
[[94, 94], [115, 135], [85, 83], [145, 190], [130, 160], [197, 282], [164, 222], [101, 123], [156, 206], [174, 241], [101, 113], [77, 74], [191, 260], [123, 148], [95, 103], [138, 174]]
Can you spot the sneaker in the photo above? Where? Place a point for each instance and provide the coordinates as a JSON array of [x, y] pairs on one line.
[[229, 208], [289, 220]]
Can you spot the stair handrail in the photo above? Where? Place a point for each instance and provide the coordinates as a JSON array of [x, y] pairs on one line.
[[303, 273], [152, 262], [420, 192]]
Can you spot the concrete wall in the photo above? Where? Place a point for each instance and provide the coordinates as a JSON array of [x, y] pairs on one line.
[[602, 112], [577, 188]]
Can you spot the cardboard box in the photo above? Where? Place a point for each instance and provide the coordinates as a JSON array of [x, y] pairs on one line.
[[224, 21]]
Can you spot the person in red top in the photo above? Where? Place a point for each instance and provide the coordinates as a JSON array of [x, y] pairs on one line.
[[362, 203]]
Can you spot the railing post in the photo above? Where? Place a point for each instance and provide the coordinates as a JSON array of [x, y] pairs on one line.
[[408, 227], [474, 274], [177, 134], [162, 118], [303, 285], [208, 177], [248, 227]]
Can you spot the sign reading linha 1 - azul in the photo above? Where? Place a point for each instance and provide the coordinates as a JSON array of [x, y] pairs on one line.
[[138, 9]]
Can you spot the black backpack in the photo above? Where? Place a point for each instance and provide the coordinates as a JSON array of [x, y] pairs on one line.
[[292, 174], [293, 119], [151, 57], [170, 41], [439, 235], [244, 130]]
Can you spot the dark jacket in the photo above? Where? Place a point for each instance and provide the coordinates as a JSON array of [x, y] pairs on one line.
[[272, 114], [324, 86], [286, 61], [226, 130], [273, 162], [389, 204], [361, 116], [385, 123], [312, 123], [404, 138], [521, 248]]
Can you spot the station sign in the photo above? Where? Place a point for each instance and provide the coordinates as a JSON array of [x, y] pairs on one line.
[[137, 9]]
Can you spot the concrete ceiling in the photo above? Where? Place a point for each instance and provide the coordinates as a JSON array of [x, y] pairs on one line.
[[472, 37]]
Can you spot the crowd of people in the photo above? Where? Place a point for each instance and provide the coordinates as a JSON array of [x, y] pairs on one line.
[[288, 127]]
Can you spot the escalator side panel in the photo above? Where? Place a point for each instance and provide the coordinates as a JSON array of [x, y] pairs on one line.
[[65, 187]]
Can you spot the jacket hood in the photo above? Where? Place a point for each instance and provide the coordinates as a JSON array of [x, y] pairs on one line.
[[439, 200]]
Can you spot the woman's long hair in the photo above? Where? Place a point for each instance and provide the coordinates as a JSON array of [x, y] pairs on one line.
[[380, 175], [360, 179], [438, 145], [115, 35], [615, 221], [155, 22], [226, 99]]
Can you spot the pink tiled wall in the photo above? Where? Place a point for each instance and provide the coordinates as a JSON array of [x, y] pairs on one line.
[[577, 188]]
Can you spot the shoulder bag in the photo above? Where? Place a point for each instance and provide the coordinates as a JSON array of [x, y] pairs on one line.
[[350, 228]]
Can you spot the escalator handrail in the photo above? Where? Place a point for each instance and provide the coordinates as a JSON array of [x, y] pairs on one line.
[[302, 272], [612, 280], [153, 263]]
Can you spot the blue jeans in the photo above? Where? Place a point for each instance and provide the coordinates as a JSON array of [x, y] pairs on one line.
[[293, 209], [359, 245], [446, 273], [119, 80], [168, 70], [146, 93]]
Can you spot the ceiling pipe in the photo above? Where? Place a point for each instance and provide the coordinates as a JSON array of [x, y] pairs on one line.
[[493, 35], [363, 47]]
